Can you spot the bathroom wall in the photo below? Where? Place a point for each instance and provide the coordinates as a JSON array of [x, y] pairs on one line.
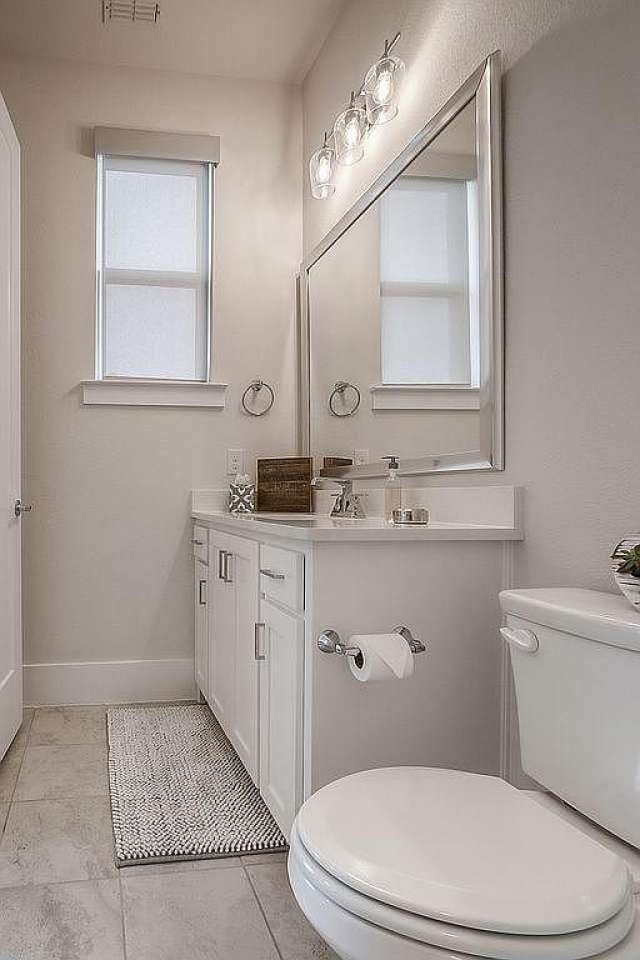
[[572, 217], [107, 567]]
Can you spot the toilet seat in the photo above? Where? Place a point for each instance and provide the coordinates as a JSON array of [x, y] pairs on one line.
[[464, 862], [450, 940]]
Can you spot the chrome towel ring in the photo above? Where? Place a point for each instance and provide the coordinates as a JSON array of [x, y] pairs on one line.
[[250, 395], [339, 390]]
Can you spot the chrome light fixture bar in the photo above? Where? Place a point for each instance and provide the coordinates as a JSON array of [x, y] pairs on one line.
[[132, 10], [375, 103]]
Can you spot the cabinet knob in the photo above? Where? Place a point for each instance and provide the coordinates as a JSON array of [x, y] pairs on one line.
[[19, 508]]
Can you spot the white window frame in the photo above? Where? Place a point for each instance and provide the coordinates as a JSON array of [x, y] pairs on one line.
[[113, 390]]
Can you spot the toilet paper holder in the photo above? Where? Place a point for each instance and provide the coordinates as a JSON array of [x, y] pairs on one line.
[[329, 642]]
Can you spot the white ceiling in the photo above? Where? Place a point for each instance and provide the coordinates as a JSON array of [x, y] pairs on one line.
[[259, 39]]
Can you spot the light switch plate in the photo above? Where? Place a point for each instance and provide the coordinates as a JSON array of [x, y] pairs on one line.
[[235, 462], [360, 458]]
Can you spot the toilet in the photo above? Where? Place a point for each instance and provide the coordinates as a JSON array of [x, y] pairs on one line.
[[431, 864]]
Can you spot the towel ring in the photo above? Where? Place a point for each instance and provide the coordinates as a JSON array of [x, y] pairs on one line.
[[339, 390], [254, 389]]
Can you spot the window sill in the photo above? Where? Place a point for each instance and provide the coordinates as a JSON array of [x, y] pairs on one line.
[[153, 393], [416, 396]]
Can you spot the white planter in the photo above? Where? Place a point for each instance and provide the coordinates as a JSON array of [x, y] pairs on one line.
[[628, 585]]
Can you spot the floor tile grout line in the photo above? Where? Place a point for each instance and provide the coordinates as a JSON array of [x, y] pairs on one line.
[[262, 911], [55, 883], [20, 765], [62, 746], [81, 796], [123, 927], [74, 796]]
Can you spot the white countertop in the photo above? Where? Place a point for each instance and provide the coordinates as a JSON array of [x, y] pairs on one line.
[[314, 527]]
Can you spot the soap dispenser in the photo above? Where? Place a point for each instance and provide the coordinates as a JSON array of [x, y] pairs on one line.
[[392, 489]]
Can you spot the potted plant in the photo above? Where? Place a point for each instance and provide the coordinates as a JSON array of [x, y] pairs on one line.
[[626, 569]]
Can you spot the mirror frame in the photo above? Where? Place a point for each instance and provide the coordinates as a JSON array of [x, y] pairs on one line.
[[484, 85]]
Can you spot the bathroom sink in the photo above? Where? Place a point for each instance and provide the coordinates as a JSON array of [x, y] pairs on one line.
[[322, 522]]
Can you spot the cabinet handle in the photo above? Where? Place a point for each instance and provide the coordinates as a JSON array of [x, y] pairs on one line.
[[202, 584], [273, 575], [227, 567], [197, 543], [258, 630]]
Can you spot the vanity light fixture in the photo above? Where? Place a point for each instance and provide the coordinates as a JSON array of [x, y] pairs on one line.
[[382, 86], [349, 131], [322, 169], [375, 103]]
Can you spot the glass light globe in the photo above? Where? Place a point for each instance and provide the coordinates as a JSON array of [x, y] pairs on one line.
[[382, 87], [322, 169], [349, 131]]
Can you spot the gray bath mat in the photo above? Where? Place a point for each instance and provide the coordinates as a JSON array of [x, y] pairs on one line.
[[178, 789]]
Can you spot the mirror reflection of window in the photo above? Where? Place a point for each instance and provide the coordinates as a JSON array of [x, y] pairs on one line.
[[429, 280]]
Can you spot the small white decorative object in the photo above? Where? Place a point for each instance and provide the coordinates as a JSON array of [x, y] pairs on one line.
[[625, 565], [242, 495]]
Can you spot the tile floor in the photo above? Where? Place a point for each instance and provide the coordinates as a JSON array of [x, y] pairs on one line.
[[61, 898]]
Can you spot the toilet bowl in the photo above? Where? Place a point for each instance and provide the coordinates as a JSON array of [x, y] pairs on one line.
[[413, 862]]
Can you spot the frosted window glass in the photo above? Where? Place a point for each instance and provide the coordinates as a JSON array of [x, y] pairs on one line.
[[424, 340], [153, 332], [424, 231], [153, 268], [425, 261], [151, 221]]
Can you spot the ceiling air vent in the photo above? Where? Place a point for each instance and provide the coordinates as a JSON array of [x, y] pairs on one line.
[[133, 10]]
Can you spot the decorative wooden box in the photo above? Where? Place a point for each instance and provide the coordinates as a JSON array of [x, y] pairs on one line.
[[284, 484]]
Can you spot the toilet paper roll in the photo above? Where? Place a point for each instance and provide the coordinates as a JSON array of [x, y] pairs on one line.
[[385, 656]]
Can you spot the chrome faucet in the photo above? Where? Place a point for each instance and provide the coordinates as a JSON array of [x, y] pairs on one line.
[[347, 503]]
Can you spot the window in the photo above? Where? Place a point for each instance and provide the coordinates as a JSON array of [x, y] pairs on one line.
[[428, 282], [153, 280]]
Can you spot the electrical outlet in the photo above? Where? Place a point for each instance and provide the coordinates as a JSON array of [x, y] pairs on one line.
[[235, 462], [360, 458]]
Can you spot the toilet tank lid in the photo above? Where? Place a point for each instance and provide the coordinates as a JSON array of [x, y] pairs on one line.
[[602, 617]]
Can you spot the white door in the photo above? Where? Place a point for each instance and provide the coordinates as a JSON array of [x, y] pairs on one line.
[[10, 616], [202, 645], [244, 723], [281, 679], [222, 631]]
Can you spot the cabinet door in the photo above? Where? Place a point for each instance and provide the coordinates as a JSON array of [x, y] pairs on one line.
[[201, 639], [281, 679], [243, 571], [222, 632]]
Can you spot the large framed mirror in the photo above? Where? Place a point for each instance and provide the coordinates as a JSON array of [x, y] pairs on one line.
[[401, 320]]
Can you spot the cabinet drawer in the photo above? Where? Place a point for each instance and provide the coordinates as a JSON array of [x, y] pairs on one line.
[[282, 576], [200, 543]]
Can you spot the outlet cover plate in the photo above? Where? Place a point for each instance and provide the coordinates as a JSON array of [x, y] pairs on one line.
[[235, 462]]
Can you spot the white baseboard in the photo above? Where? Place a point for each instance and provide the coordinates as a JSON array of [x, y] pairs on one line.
[[108, 681]]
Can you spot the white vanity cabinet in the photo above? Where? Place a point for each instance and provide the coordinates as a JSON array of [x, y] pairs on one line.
[[249, 653], [297, 716]]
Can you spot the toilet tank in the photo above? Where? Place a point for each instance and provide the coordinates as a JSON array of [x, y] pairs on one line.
[[576, 666]]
